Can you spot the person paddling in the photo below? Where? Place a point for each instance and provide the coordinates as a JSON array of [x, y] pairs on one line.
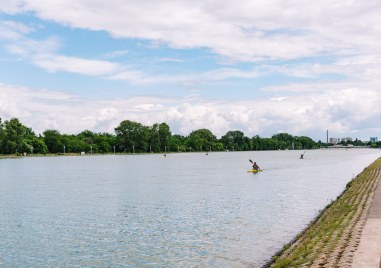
[[255, 166], [301, 156]]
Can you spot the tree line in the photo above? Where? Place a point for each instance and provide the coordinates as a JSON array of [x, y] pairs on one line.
[[134, 137]]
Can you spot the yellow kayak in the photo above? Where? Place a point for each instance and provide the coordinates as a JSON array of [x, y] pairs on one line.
[[254, 170]]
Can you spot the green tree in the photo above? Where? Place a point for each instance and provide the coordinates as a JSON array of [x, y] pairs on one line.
[[285, 141], [39, 146], [15, 137], [15, 134], [105, 142], [236, 140], [218, 146], [154, 138], [201, 139], [177, 143], [305, 143], [53, 141], [87, 136], [256, 143], [73, 144], [285, 137], [164, 135], [270, 144], [26, 146], [33, 146], [87, 139], [131, 135], [2, 136], [358, 142]]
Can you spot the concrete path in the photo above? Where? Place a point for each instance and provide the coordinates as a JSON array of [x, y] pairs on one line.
[[368, 254]]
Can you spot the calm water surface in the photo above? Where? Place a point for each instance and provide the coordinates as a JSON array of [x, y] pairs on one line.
[[183, 210]]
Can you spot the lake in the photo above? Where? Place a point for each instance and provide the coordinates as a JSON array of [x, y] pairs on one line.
[[183, 210]]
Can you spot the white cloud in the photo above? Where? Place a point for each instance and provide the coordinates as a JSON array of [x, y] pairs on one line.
[[75, 65], [345, 32], [169, 60], [359, 67], [10, 7], [249, 31], [12, 30], [43, 53], [220, 74], [345, 111], [31, 49]]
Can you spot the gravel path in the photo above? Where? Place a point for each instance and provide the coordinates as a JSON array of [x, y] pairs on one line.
[[368, 253]]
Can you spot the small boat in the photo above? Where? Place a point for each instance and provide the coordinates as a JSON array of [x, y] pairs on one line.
[[254, 170]]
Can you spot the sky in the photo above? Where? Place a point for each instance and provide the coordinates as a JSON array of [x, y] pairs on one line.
[[259, 66]]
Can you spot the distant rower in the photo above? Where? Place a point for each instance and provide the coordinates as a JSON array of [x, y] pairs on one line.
[[255, 166]]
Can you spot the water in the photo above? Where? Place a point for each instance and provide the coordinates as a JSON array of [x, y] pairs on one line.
[[183, 210]]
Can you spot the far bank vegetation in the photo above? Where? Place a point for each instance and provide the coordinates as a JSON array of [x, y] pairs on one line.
[[134, 137]]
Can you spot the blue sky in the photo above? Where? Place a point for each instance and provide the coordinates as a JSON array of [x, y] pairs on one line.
[[260, 67]]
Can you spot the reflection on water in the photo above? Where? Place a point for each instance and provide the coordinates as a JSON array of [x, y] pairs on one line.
[[185, 210]]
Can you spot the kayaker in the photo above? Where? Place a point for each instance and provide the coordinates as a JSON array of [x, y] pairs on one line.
[[255, 166], [301, 156]]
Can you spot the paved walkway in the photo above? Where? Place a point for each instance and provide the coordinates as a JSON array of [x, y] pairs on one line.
[[368, 254]]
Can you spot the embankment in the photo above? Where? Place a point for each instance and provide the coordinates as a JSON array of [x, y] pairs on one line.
[[332, 238]]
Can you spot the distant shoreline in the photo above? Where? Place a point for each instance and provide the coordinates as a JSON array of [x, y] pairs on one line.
[[14, 156]]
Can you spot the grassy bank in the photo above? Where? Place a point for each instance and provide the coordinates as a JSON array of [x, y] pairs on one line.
[[331, 239], [12, 156], [7, 156]]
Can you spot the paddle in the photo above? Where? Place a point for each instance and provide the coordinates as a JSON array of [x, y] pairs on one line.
[[251, 161]]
